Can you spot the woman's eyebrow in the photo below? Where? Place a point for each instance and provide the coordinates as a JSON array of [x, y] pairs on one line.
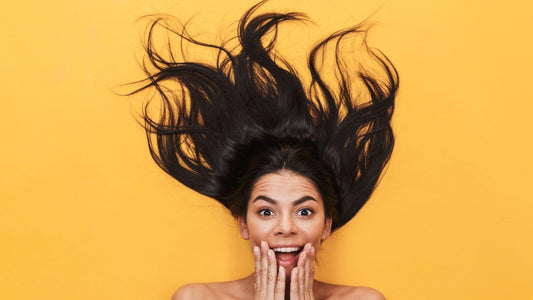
[[295, 202], [303, 199]]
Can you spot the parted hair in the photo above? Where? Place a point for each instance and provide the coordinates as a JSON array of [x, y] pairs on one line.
[[224, 125]]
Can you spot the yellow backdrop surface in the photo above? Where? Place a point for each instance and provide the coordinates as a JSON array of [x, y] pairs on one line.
[[86, 214]]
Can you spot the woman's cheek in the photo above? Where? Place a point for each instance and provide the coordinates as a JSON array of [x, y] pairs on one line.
[[258, 231]]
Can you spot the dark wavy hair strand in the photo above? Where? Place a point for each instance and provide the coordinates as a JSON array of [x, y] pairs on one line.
[[220, 127]]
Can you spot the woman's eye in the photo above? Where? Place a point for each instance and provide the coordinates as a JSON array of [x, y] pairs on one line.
[[305, 212], [265, 212]]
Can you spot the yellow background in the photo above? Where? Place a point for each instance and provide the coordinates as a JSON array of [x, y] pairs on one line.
[[86, 214]]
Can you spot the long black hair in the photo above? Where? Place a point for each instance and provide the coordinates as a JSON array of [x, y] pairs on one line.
[[221, 126]]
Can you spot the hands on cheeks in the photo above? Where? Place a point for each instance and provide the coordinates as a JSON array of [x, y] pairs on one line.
[[303, 275], [270, 280]]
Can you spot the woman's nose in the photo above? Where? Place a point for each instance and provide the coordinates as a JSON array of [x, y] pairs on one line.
[[286, 226]]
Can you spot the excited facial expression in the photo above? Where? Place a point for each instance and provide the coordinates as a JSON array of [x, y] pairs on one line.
[[285, 210]]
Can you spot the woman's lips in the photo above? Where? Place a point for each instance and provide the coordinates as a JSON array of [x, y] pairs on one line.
[[287, 256], [287, 259]]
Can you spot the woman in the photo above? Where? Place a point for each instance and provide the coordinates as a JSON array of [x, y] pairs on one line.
[[292, 165]]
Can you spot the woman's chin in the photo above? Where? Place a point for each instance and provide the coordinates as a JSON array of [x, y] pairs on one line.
[[288, 273]]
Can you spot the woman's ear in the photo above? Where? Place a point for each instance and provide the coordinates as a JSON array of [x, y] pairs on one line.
[[327, 229], [243, 228]]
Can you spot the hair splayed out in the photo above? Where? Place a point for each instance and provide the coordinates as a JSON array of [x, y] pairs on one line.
[[221, 126]]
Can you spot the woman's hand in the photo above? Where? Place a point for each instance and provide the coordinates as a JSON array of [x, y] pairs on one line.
[[269, 282], [302, 276]]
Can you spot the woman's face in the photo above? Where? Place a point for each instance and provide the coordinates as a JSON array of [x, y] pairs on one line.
[[285, 210]]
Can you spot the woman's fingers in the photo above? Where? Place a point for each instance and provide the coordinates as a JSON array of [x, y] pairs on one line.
[[261, 262], [309, 272], [302, 270], [267, 284], [264, 268], [306, 267], [257, 263], [272, 273], [279, 292], [294, 293], [303, 274], [301, 286], [270, 280]]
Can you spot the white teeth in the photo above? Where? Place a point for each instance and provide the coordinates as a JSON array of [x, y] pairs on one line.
[[286, 249]]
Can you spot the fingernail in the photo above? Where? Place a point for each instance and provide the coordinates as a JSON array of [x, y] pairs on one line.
[[263, 245], [256, 250]]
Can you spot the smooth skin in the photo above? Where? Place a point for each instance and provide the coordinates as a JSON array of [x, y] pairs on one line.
[[285, 210]]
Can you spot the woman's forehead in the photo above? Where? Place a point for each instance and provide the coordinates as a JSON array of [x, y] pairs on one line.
[[285, 185]]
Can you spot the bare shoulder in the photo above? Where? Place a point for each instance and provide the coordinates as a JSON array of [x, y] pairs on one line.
[[212, 290], [334, 292], [363, 293], [192, 291]]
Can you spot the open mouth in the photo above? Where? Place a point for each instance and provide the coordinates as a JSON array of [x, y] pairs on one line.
[[287, 256]]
